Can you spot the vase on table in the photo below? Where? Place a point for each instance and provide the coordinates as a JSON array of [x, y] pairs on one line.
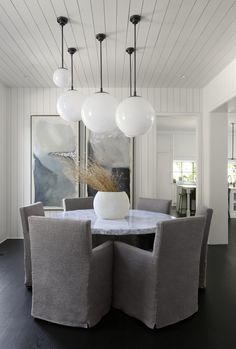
[[111, 205]]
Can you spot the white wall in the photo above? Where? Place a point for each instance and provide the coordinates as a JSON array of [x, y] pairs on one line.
[[184, 146], [25, 102], [221, 89], [175, 145], [214, 158], [164, 161], [230, 141], [188, 103], [3, 162], [218, 185]]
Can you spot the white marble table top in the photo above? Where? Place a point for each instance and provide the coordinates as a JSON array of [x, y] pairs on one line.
[[137, 221]]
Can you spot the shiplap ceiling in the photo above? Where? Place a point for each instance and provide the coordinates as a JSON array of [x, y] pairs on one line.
[[181, 43]]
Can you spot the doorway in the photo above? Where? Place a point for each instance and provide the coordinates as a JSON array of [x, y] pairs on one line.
[[177, 162]]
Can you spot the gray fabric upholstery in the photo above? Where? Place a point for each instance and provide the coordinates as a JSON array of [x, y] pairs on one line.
[[155, 205], [72, 284], [25, 213], [207, 212], [160, 287], [78, 203]]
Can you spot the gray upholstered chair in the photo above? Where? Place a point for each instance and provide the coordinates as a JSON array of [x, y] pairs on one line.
[[25, 212], [207, 212], [160, 287], [156, 205], [71, 204], [71, 282]]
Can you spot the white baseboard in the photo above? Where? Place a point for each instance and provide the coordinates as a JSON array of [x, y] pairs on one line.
[[3, 240], [11, 238]]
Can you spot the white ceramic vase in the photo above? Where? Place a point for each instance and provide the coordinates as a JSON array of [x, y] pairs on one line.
[[111, 205]]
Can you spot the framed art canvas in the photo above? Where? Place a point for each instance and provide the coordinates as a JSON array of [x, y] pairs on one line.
[[54, 147], [114, 151]]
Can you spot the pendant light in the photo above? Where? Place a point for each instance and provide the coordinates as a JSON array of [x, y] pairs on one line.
[[70, 102], [134, 115], [61, 76], [98, 111]]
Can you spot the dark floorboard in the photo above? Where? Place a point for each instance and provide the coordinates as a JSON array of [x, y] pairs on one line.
[[213, 327]]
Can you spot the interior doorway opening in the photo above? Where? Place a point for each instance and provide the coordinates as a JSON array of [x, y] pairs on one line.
[[177, 162]]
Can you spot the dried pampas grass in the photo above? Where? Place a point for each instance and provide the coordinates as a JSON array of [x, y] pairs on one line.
[[96, 176]]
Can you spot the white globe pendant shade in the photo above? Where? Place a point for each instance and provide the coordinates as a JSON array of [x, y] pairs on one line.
[[61, 77], [99, 111], [69, 105], [134, 116]]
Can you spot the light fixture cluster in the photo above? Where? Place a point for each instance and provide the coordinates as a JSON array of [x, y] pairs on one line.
[[100, 112]]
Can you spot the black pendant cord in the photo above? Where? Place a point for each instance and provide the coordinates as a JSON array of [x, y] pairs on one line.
[[233, 140], [71, 51], [130, 76], [62, 21], [101, 87], [72, 73], [135, 19], [135, 49], [130, 50], [100, 37], [62, 47]]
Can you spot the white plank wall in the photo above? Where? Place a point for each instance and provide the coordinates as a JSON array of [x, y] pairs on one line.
[[217, 94], [24, 102], [3, 162]]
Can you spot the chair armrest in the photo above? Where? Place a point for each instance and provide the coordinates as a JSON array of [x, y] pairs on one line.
[[100, 248], [100, 280], [132, 250], [102, 260], [134, 280], [132, 262]]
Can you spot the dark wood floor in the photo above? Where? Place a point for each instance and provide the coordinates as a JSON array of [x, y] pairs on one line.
[[213, 327]]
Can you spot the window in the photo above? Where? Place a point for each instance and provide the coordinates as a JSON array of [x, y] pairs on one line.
[[231, 172], [184, 171]]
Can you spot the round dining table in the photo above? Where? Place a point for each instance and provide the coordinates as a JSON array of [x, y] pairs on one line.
[[135, 223], [138, 228]]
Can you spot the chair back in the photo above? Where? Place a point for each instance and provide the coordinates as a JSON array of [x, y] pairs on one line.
[[61, 252], [177, 250], [207, 213], [71, 204], [31, 210], [25, 212], [155, 205]]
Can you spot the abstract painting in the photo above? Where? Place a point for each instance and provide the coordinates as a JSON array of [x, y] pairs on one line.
[[52, 140], [113, 151]]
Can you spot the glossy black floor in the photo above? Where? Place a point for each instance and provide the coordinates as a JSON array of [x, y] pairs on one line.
[[214, 326]]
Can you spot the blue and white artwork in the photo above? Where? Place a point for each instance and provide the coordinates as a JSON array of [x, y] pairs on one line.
[[51, 176], [114, 152]]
